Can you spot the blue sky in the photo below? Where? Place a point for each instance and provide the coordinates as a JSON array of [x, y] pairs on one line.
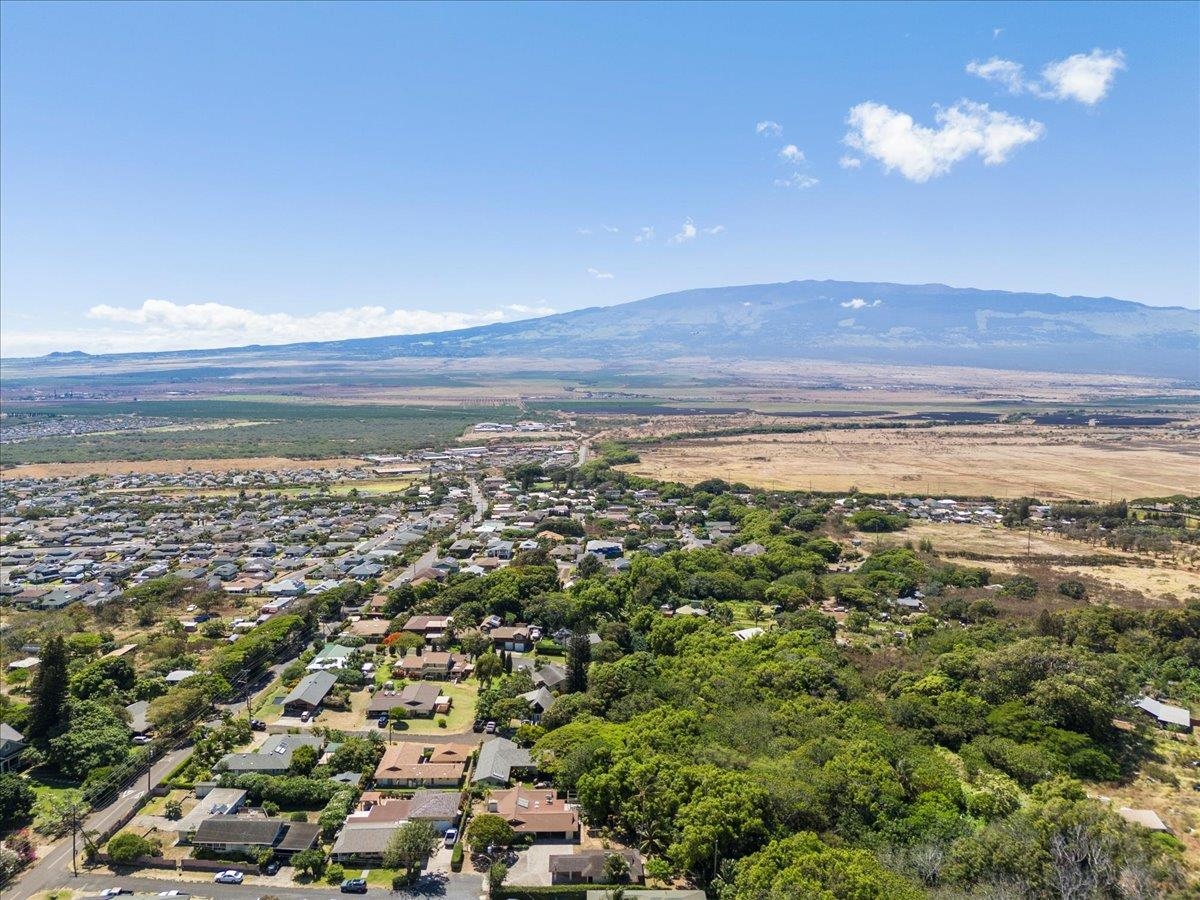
[[192, 175]]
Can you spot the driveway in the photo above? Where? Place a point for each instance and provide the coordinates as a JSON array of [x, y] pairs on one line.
[[532, 868]]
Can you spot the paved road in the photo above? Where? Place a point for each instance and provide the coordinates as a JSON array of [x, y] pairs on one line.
[[55, 865], [446, 887]]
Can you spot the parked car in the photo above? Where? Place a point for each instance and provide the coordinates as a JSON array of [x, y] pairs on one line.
[[140, 739], [271, 867], [305, 716], [115, 892], [490, 728], [258, 725], [383, 722], [451, 836], [229, 876], [478, 726], [354, 886]]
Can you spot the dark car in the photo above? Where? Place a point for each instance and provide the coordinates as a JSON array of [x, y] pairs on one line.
[[478, 726], [258, 725], [354, 886], [383, 722], [271, 868]]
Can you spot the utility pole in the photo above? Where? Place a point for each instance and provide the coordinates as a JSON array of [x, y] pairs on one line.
[[74, 831]]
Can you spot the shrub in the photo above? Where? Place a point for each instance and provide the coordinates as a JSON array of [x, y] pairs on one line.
[[456, 857], [1073, 589], [125, 847], [335, 874]]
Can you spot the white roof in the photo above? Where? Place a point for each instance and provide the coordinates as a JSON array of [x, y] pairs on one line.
[[1165, 712]]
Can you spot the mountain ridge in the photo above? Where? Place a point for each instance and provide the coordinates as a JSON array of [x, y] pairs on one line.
[[837, 320]]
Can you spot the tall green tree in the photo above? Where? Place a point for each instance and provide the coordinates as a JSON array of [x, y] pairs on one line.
[[50, 686], [579, 656], [410, 845]]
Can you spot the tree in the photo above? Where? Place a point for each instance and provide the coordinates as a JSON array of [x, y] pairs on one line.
[[588, 566], [579, 655], [127, 846], [54, 812], [309, 862], [304, 760], [488, 667], [16, 798], [489, 830], [173, 809], [49, 691], [616, 868], [410, 845]]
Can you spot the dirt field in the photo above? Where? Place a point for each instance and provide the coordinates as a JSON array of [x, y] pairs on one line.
[[990, 460], [177, 466], [1005, 551]]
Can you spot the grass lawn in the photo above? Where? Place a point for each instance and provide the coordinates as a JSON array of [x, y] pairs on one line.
[[265, 707], [462, 712], [743, 614], [375, 877]]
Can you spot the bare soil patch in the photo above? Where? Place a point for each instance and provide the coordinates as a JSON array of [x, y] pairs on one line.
[[992, 460]]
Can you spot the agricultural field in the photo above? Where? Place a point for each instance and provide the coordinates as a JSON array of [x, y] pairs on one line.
[[265, 428], [989, 460]]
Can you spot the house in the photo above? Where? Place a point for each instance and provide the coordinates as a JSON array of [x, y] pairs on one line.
[[332, 656], [498, 758], [514, 637], [431, 628], [751, 549], [539, 700], [138, 723], [12, 745], [177, 675], [432, 664], [217, 802], [309, 693], [1167, 716], [747, 634], [274, 757], [249, 834], [366, 833], [537, 813], [409, 765], [592, 866], [550, 676], [605, 549], [419, 699], [1147, 818]]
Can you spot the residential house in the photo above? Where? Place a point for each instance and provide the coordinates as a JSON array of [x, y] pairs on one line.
[[248, 834], [433, 664], [409, 765], [498, 759], [366, 833], [1165, 714], [274, 757], [511, 638], [541, 814], [309, 693], [431, 628], [12, 745], [592, 866], [419, 699]]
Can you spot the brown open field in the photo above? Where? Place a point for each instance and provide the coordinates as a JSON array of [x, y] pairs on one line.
[[177, 466], [1006, 552], [988, 460]]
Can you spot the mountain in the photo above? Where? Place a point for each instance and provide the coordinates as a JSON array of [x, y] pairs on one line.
[[831, 320]]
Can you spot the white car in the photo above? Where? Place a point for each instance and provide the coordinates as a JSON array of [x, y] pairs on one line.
[[229, 876]]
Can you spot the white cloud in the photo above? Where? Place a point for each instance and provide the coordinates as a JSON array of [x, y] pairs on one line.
[[164, 325], [583, 231], [716, 229], [769, 128], [793, 154], [645, 235], [1083, 77], [603, 276], [860, 303], [797, 180], [996, 32], [850, 162], [1002, 71], [686, 233], [920, 152], [611, 229]]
